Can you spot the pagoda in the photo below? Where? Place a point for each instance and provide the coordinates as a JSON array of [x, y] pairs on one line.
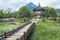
[[39, 11]]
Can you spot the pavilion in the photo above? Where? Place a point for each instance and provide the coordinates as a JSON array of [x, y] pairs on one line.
[[39, 11]]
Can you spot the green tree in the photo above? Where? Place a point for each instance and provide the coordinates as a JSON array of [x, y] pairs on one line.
[[1, 14], [9, 13], [50, 12], [24, 12], [32, 13]]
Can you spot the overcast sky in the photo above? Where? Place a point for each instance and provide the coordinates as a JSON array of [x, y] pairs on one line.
[[15, 4]]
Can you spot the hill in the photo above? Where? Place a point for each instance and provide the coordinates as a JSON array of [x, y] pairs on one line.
[[58, 12], [31, 5]]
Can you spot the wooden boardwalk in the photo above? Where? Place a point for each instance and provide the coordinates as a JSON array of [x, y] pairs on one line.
[[20, 33]]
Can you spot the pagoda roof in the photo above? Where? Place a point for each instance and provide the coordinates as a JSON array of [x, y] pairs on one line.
[[39, 8]]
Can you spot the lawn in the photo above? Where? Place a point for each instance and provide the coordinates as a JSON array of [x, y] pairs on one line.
[[48, 30]]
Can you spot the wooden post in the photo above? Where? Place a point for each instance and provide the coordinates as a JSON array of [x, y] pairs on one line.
[[24, 36], [17, 39], [13, 30], [5, 35]]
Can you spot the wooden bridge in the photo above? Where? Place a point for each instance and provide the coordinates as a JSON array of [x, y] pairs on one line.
[[20, 33]]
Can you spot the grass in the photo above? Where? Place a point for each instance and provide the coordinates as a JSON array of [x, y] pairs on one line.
[[5, 27], [8, 26], [48, 30]]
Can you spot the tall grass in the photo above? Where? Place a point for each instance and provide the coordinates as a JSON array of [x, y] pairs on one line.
[[5, 27], [8, 26], [48, 30]]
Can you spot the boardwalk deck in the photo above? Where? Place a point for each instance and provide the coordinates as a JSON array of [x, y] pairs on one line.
[[19, 33]]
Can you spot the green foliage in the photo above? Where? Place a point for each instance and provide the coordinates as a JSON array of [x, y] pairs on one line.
[[24, 12], [8, 26], [23, 20], [1, 14], [48, 30], [5, 27], [32, 14], [50, 12], [7, 14]]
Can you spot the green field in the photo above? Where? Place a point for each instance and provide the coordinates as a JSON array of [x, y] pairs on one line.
[[8, 26], [5, 27], [48, 30]]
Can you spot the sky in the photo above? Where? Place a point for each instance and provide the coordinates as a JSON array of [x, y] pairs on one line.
[[16, 4]]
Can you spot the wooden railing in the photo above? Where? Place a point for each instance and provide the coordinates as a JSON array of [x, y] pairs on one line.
[[25, 35], [7, 34]]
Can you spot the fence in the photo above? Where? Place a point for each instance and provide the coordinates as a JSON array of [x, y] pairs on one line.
[[7, 34], [26, 33]]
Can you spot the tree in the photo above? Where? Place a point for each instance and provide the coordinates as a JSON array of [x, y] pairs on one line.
[[50, 12], [32, 13], [24, 12], [14, 14], [9, 13], [1, 14]]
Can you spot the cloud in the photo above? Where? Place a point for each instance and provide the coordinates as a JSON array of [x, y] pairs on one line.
[[56, 4], [15, 4]]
